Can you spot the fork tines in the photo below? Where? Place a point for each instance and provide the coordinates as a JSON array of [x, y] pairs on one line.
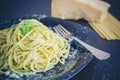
[[59, 29]]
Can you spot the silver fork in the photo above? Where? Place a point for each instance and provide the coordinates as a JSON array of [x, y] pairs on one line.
[[99, 54]]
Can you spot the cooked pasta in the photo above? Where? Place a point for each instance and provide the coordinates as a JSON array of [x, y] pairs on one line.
[[30, 47]]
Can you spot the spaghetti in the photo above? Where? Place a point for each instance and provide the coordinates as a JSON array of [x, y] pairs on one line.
[[109, 29], [30, 47]]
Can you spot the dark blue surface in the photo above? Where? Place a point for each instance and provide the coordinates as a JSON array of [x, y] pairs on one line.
[[96, 70]]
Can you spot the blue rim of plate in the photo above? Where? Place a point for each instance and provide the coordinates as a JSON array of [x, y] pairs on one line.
[[83, 60]]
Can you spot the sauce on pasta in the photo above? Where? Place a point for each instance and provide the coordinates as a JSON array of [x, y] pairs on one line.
[[30, 47]]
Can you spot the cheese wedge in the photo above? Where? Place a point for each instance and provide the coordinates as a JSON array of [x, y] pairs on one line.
[[91, 10]]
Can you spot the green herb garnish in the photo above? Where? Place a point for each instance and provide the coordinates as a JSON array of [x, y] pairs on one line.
[[27, 26]]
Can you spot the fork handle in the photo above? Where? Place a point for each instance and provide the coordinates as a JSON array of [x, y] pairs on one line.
[[99, 54]]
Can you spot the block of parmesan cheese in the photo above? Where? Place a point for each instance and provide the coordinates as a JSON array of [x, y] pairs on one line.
[[91, 10]]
